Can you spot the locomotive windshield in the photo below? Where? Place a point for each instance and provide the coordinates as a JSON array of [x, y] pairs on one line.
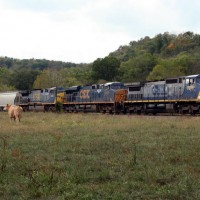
[[52, 93], [114, 85], [198, 80], [17, 100], [190, 81]]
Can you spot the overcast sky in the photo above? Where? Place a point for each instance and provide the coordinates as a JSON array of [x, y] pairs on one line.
[[81, 31]]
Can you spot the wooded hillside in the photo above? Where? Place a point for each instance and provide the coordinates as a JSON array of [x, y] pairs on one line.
[[165, 55]]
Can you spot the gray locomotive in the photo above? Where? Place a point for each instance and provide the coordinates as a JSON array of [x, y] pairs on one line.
[[180, 95]]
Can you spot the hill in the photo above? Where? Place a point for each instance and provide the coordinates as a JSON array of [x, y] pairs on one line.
[[165, 55], [162, 56]]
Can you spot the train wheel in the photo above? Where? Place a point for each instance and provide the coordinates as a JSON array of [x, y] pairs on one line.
[[138, 112], [52, 108], [110, 112], [25, 109], [180, 110], [192, 112], [46, 108]]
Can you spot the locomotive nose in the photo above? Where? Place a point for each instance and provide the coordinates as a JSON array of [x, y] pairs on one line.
[[121, 95]]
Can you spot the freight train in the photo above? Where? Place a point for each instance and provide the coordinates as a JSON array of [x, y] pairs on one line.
[[172, 95]]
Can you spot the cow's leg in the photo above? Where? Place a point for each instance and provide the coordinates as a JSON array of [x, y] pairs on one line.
[[11, 118], [18, 118]]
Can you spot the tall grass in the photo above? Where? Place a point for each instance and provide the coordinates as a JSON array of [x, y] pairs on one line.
[[94, 156]]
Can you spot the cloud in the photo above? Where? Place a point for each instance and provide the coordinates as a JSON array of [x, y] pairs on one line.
[[83, 30], [69, 36], [45, 5]]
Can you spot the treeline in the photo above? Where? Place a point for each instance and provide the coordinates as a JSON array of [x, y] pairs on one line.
[[165, 55], [27, 74]]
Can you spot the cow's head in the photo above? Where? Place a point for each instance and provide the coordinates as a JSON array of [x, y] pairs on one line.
[[7, 107]]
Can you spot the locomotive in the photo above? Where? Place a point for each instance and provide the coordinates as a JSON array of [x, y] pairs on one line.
[[99, 97], [172, 95], [42, 99]]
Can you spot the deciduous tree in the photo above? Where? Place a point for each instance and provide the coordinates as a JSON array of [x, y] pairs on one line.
[[106, 68]]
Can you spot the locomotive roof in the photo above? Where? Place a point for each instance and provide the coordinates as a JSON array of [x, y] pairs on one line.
[[112, 83], [74, 87], [133, 84], [155, 82]]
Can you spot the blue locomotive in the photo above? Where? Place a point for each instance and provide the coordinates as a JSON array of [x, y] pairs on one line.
[[42, 99], [99, 97]]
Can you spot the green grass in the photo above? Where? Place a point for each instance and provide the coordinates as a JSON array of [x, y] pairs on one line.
[[94, 156]]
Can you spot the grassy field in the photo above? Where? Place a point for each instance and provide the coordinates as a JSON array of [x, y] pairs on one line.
[[95, 156]]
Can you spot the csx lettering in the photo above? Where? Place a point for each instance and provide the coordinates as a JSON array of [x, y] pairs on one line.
[[84, 94]]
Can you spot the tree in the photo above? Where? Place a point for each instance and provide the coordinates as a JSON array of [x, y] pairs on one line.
[[137, 69], [48, 78], [106, 68], [167, 68], [40, 64], [23, 79], [158, 73], [5, 76], [76, 76]]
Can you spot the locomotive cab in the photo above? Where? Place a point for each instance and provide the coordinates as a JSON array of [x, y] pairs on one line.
[[192, 87], [97, 86], [192, 80], [71, 93]]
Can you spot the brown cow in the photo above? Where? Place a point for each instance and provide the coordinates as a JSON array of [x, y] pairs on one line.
[[14, 112]]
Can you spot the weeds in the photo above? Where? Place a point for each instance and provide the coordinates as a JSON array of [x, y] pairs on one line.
[[41, 181], [4, 158], [135, 155]]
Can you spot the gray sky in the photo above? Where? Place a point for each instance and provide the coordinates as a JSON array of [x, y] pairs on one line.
[[84, 30]]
